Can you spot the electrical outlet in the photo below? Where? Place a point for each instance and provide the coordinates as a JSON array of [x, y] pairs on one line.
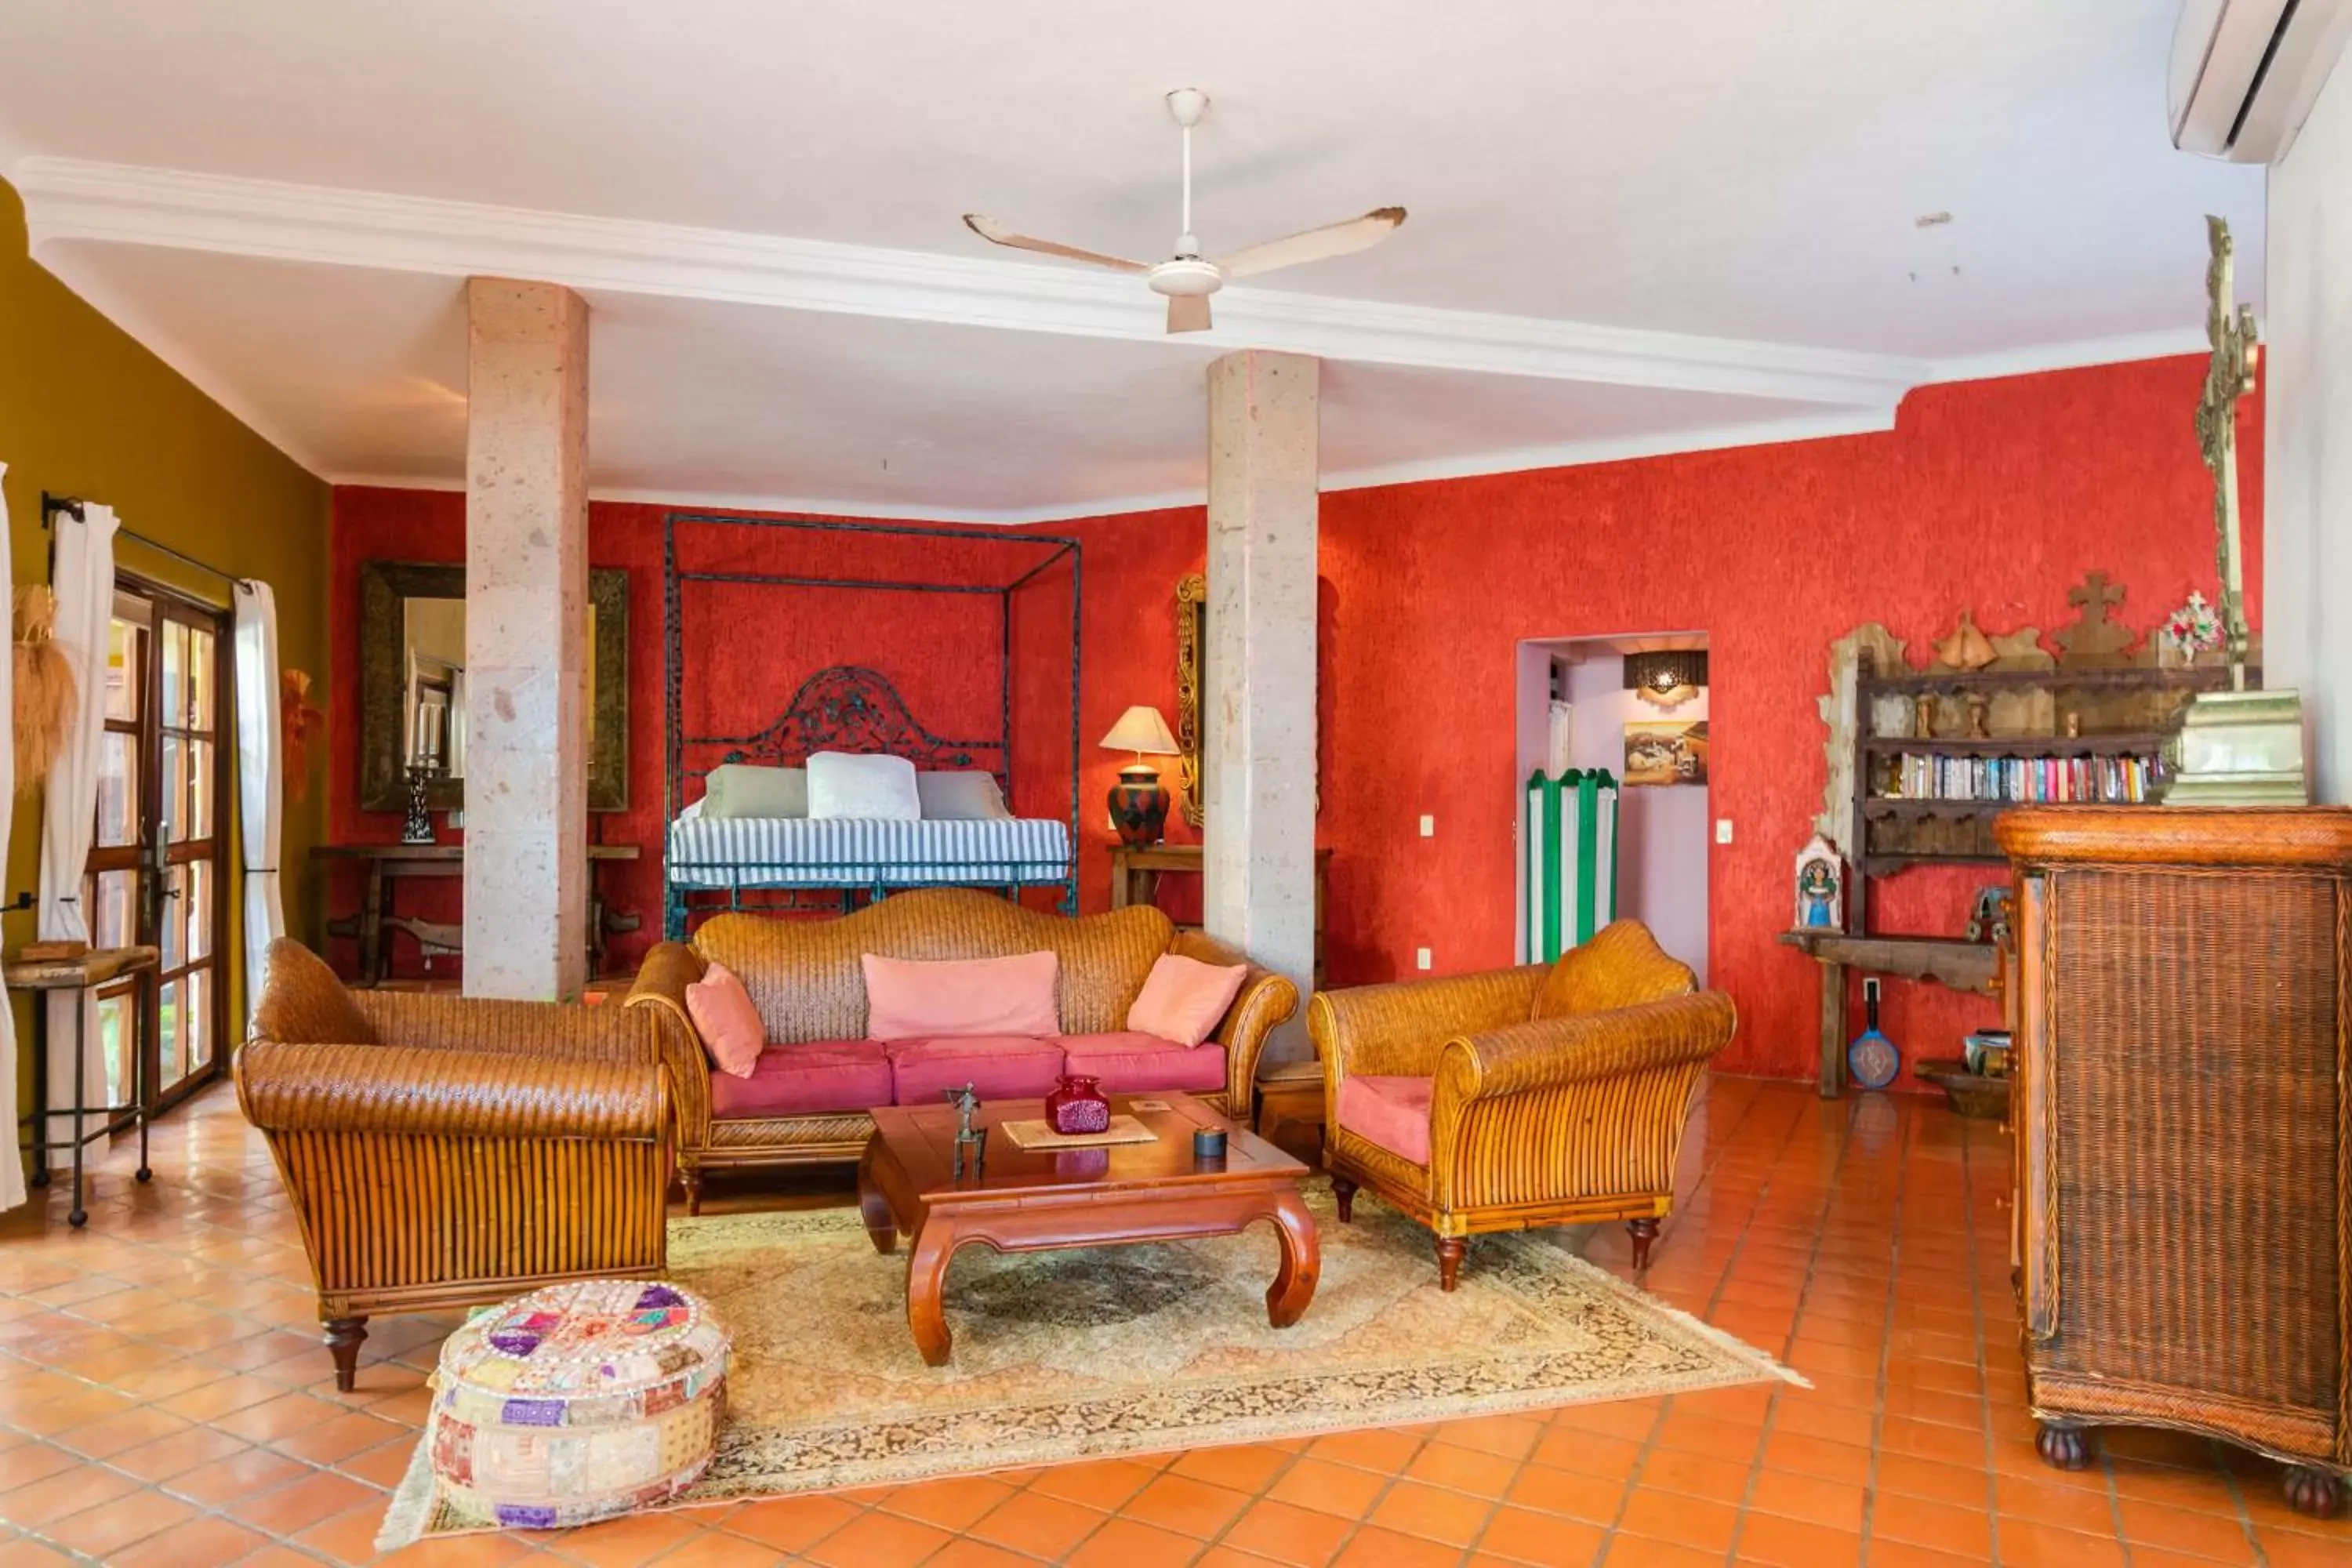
[[1428, 826], [1723, 830], [1421, 958]]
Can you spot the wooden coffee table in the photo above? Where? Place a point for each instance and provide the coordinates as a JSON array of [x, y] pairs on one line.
[[1109, 1196]]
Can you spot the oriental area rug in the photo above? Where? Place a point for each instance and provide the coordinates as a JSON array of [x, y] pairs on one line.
[[1115, 1350]]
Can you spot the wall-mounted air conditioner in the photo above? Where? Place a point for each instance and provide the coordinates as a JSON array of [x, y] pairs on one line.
[[2245, 73]]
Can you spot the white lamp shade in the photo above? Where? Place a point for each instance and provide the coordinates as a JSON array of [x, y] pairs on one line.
[[1141, 730]]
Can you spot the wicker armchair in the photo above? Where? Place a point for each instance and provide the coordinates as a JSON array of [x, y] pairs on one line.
[[1461, 1108], [444, 1152]]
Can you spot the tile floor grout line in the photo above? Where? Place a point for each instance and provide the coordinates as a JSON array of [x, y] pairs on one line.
[[1707, 1172], [1731, 1263], [1788, 1342], [1886, 1328], [1984, 1371], [2237, 1495]]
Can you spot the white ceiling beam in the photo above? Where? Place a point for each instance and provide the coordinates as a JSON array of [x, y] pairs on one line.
[[75, 200]]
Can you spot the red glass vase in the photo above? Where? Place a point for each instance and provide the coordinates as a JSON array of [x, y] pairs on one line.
[[1077, 1106]]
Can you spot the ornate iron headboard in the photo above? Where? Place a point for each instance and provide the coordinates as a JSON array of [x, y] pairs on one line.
[[847, 708]]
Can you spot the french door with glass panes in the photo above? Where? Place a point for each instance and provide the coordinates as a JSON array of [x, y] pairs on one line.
[[157, 863]]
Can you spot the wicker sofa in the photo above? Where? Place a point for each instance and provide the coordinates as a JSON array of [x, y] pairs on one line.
[[1466, 1106], [805, 979], [445, 1153]]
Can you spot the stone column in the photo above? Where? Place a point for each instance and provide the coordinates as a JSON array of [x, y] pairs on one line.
[[526, 643], [1259, 708]]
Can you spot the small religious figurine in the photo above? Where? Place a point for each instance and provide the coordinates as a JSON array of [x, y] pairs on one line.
[[1977, 706], [1820, 886], [1923, 723]]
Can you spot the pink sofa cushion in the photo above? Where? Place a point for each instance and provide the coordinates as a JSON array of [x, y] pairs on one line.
[[1184, 999], [998, 1066], [729, 1026], [1394, 1112], [1137, 1063], [921, 999], [795, 1080]]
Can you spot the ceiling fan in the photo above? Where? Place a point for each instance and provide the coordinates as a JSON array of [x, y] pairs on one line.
[[1187, 278]]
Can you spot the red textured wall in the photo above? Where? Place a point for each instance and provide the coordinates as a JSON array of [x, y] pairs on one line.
[[1996, 495]]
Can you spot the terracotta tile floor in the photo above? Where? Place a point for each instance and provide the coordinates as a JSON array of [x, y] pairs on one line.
[[164, 1400]]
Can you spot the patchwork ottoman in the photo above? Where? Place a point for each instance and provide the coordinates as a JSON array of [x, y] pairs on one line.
[[577, 1403]]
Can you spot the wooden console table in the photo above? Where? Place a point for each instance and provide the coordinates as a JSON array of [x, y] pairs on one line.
[[1962, 965], [388, 863], [1135, 879]]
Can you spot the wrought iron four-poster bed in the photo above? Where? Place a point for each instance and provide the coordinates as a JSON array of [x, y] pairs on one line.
[[736, 862]]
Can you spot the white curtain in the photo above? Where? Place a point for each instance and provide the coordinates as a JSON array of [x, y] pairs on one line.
[[12, 1168], [83, 578], [260, 777]]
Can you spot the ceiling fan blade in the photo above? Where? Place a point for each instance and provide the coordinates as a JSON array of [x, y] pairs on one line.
[[1315, 245], [1188, 312], [995, 233]]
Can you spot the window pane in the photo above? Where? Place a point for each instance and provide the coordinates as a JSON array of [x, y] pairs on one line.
[[117, 1037], [113, 909], [199, 903], [197, 1019], [173, 936], [118, 788], [169, 1035], [200, 671], [126, 656], [176, 789], [200, 789], [176, 673]]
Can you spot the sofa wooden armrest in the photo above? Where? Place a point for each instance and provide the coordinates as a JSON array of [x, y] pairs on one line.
[[1266, 1002], [1401, 1029]]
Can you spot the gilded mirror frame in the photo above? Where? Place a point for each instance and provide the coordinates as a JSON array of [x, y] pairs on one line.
[[384, 586], [1192, 639]]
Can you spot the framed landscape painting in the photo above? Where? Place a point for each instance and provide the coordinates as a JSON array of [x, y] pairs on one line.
[[1672, 752]]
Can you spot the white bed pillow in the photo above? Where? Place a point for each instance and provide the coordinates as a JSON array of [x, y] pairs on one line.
[[961, 797], [840, 784], [735, 790]]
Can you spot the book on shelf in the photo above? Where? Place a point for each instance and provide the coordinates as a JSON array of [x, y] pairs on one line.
[[2118, 780]]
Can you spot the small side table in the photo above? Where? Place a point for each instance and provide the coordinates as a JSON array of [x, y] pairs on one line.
[[1288, 1094], [38, 977]]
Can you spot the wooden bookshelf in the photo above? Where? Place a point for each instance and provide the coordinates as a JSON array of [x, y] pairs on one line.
[[2119, 711]]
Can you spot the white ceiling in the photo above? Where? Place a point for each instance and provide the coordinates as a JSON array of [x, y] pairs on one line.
[[1634, 227]]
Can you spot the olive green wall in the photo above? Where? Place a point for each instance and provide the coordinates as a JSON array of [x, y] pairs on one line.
[[86, 411]]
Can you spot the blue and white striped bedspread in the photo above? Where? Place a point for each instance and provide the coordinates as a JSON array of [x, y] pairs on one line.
[[857, 852]]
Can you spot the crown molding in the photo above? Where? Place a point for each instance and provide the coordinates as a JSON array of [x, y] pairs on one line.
[[2038, 358], [1618, 450], [1811, 428], [78, 200]]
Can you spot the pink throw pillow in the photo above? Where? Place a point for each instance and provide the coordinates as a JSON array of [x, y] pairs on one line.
[[916, 999], [1184, 999], [729, 1026]]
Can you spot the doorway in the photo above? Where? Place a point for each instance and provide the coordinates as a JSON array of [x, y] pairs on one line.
[[156, 873], [1576, 709]]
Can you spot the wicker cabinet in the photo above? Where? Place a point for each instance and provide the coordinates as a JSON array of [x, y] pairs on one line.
[[2184, 1141]]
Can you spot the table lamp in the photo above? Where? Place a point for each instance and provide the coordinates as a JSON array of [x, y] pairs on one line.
[[1139, 804]]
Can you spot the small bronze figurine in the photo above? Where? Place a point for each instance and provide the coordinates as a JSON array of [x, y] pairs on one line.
[[966, 1103]]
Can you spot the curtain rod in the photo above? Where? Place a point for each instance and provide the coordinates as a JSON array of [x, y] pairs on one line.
[[72, 507]]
